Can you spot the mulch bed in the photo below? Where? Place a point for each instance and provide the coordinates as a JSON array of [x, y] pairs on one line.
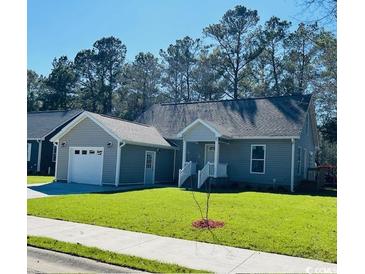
[[207, 224]]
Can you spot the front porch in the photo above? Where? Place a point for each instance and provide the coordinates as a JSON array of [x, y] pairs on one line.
[[201, 153]]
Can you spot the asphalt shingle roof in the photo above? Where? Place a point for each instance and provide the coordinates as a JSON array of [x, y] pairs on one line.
[[257, 117], [131, 131], [42, 123]]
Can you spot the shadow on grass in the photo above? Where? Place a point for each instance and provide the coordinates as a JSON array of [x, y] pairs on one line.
[[325, 192], [58, 188]]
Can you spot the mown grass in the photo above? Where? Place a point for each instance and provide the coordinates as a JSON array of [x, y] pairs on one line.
[[297, 225], [39, 179], [107, 256]]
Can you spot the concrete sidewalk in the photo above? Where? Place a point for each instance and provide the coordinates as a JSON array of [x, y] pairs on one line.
[[216, 258]]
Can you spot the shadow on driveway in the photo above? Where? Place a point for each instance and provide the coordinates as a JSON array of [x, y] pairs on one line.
[[57, 188]]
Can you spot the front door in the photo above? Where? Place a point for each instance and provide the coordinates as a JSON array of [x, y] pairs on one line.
[[209, 153], [149, 170]]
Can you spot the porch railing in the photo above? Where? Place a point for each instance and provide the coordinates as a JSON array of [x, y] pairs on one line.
[[208, 171], [184, 173]]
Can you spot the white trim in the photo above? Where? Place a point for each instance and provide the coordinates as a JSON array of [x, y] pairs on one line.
[[299, 168], [55, 169], [76, 121], [117, 165], [292, 165], [216, 157], [183, 154], [216, 132], [84, 148], [262, 145], [154, 165], [39, 155], [29, 151]]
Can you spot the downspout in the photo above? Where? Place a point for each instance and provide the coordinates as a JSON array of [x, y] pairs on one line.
[[292, 165], [117, 172], [55, 169], [39, 155]]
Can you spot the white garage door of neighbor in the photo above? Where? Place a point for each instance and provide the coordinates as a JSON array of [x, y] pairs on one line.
[[86, 165]]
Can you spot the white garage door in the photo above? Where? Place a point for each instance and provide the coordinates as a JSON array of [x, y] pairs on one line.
[[86, 165]]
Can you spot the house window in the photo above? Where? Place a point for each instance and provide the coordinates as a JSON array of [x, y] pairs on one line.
[[54, 153], [29, 151], [299, 161], [258, 153], [84, 152], [77, 151], [149, 161]]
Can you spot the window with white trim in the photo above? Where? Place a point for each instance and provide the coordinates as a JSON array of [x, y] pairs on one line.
[[29, 151], [299, 161], [54, 153], [258, 153]]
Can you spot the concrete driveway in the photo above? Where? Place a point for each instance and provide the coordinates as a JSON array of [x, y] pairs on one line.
[[57, 188]]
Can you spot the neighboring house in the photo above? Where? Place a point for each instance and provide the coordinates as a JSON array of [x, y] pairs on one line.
[[264, 141], [41, 126], [268, 141], [99, 149]]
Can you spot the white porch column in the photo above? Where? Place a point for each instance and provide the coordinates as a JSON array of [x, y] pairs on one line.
[[216, 157], [183, 154], [39, 155]]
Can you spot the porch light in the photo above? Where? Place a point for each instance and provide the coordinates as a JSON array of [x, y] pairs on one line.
[[63, 144], [109, 144]]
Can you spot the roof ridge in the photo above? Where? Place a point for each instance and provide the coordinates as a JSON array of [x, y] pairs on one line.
[[120, 119], [232, 100]]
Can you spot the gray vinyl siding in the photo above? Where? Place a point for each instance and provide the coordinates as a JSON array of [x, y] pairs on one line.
[[32, 164], [237, 153], [306, 141], [199, 133], [88, 134], [277, 161], [132, 164]]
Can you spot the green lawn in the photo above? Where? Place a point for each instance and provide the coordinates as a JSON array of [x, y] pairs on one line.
[[39, 179], [107, 256], [298, 225]]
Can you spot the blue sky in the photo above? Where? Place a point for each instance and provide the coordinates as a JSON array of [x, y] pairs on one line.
[[63, 27]]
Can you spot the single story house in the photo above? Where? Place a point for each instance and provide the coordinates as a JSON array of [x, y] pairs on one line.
[[260, 141], [41, 127], [268, 141]]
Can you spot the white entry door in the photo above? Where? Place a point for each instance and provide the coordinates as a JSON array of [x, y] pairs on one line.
[[149, 167], [86, 165], [209, 153]]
